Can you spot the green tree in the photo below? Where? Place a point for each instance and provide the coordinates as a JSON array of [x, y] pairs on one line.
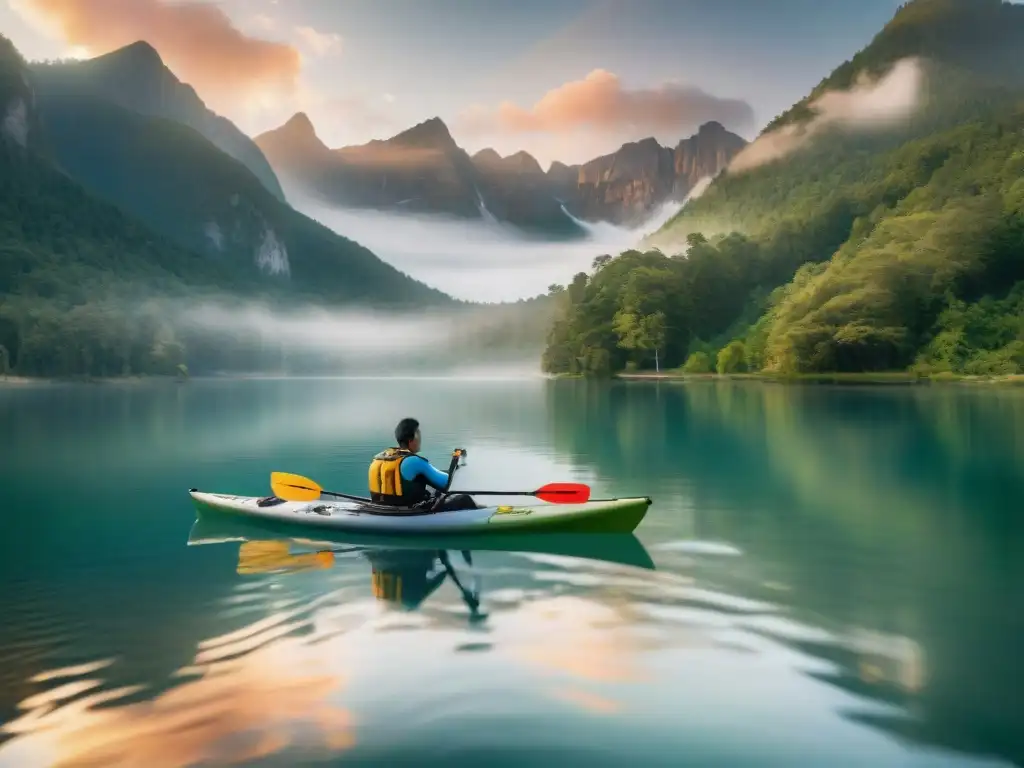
[[641, 332], [732, 358], [698, 362]]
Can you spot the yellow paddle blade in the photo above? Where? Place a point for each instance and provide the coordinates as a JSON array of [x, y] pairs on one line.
[[294, 487]]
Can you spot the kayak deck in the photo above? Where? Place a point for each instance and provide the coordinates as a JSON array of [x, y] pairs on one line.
[[605, 516]]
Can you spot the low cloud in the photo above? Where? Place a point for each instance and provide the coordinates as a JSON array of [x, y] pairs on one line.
[[197, 40], [600, 102], [869, 104]]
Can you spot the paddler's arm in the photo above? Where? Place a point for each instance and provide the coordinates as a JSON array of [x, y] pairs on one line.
[[417, 465]]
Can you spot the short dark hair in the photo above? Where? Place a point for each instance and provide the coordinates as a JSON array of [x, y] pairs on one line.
[[406, 431]]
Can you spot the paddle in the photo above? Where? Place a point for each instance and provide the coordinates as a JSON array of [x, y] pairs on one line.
[[556, 493], [292, 487]]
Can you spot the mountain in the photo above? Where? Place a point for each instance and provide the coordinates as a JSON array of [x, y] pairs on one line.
[[423, 170], [178, 183], [420, 170], [563, 180], [883, 246], [174, 179], [296, 148], [517, 190], [135, 77], [628, 185], [969, 41], [113, 224]]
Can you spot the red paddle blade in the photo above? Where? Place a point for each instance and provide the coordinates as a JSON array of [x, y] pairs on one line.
[[564, 493]]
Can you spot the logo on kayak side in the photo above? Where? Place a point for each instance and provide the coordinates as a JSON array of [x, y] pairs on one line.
[[511, 511]]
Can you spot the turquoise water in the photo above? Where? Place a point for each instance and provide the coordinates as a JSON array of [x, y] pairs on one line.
[[837, 579]]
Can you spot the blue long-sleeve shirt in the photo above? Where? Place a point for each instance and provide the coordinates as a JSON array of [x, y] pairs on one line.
[[417, 465]]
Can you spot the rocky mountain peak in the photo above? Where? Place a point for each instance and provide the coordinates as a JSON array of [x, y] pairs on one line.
[[432, 134]]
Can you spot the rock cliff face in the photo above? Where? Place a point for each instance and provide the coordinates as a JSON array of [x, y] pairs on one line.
[[564, 180], [626, 186], [517, 190], [19, 119]]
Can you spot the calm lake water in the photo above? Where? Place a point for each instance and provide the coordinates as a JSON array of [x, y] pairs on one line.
[[835, 578]]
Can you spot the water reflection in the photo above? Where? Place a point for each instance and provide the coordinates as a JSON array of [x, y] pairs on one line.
[[863, 513], [246, 696], [404, 571], [837, 583], [401, 578]]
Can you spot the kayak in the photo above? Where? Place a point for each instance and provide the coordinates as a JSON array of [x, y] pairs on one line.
[[615, 548], [604, 516]]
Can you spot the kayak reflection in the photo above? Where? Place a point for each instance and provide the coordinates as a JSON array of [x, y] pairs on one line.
[[404, 572]]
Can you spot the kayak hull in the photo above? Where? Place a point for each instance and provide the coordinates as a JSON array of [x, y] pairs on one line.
[[606, 516]]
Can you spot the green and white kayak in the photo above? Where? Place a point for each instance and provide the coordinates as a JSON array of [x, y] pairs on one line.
[[598, 516]]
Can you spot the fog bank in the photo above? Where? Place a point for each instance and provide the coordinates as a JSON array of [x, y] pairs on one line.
[[476, 260]]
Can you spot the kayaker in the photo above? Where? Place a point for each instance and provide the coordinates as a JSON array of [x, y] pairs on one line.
[[400, 477]]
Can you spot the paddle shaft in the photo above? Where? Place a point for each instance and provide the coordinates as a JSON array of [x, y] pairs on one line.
[[518, 493], [546, 492], [468, 493], [442, 495]]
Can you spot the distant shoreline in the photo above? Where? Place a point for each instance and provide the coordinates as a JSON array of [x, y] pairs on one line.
[[896, 378], [21, 381], [15, 381]]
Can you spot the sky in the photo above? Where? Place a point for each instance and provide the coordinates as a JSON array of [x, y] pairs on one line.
[[564, 80]]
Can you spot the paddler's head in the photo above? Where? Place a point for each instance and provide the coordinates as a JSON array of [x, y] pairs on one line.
[[407, 435]]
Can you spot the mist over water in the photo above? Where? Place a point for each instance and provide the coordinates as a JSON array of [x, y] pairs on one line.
[[482, 260], [467, 342]]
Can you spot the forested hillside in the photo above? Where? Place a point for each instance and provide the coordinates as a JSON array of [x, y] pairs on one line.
[[862, 250], [88, 288]]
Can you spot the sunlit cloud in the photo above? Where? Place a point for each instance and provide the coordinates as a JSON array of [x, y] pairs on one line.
[[197, 41], [600, 101]]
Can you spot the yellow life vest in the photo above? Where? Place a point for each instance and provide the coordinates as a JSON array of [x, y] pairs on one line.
[[386, 483]]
